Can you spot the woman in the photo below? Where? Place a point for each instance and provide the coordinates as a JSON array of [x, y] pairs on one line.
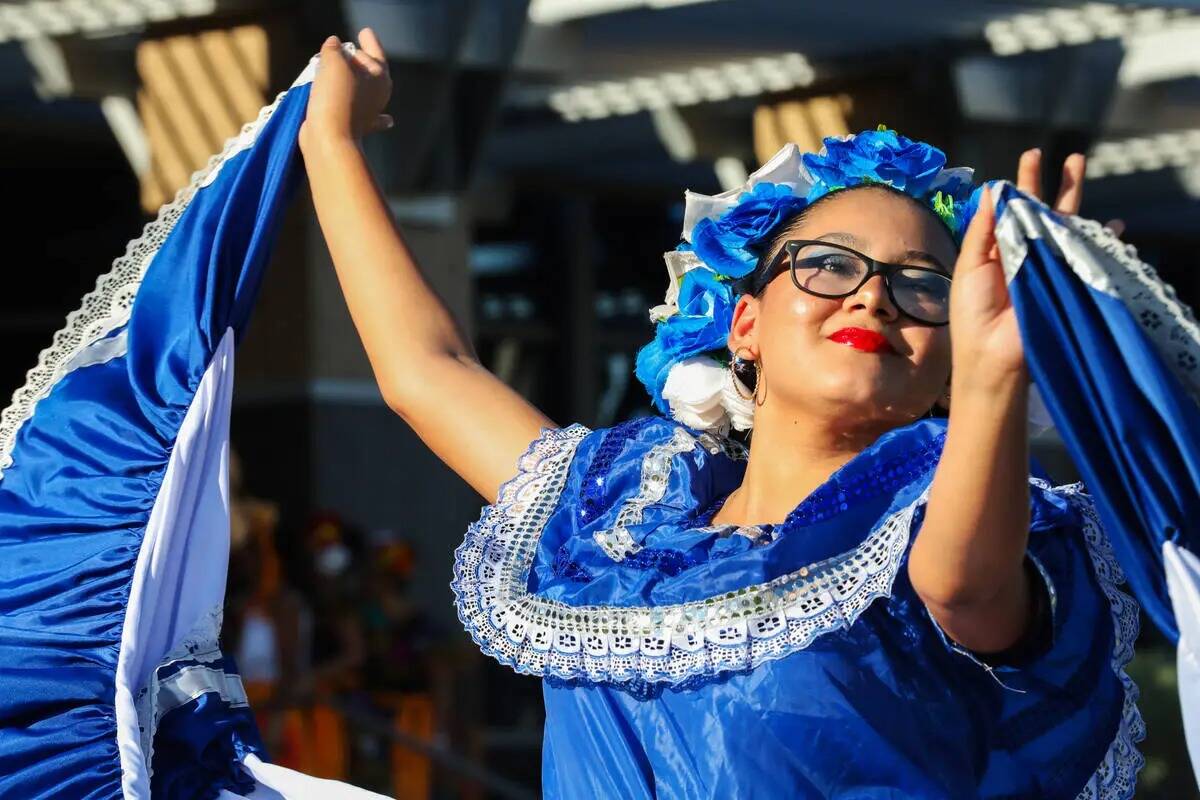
[[868, 603], [712, 622]]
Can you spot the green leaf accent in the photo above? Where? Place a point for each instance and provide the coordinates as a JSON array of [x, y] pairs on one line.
[[943, 206]]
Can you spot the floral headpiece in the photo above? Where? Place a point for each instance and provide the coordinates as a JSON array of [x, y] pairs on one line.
[[685, 368]]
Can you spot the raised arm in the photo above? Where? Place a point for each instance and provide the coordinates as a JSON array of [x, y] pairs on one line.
[[426, 369], [967, 562]]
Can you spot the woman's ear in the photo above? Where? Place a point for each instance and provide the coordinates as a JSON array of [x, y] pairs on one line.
[[743, 332]]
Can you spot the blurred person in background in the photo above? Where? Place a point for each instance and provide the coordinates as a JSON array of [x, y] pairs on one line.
[[401, 662], [264, 618]]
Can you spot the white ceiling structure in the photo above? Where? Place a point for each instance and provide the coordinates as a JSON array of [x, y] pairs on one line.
[[1124, 77], [608, 77]]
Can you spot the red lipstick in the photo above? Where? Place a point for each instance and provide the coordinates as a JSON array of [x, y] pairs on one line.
[[863, 339]]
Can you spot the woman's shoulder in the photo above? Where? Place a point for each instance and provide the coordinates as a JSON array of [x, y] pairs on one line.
[[596, 469]]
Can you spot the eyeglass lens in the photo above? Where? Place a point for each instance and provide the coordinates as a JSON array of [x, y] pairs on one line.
[[827, 269]]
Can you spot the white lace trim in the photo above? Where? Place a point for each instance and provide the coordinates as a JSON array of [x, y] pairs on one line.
[[1168, 323], [1107, 264], [107, 307], [1116, 777], [662, 644]]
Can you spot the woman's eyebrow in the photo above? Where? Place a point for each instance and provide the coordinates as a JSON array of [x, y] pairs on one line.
[[851, 240], [921, 255], [843, 238]]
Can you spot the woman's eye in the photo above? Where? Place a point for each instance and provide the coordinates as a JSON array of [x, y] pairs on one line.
[[838, 264], [830, 262], [929, 287]]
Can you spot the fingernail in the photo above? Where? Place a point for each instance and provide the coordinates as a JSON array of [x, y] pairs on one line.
[[331, 40]]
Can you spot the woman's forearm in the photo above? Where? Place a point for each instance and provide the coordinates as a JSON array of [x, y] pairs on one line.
[[399, 316], [967, 561]]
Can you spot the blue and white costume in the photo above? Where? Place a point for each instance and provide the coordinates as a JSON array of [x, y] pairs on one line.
[[687, 660], [680, 659], [114, 509]]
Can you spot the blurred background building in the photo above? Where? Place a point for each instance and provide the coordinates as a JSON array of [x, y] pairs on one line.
[[537, 168]]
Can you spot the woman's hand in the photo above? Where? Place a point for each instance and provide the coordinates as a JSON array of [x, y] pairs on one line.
[[985, 339], [349, 92]]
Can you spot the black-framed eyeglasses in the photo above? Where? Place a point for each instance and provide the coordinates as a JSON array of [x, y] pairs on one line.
[[832, 270]]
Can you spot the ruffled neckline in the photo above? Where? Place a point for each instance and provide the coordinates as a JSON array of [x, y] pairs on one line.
[[659, 545]]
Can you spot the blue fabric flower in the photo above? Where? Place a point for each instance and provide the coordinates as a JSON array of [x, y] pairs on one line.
[[728, 244], [881, 156], [702, 324]]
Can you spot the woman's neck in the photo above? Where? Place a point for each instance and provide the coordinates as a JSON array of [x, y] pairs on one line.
[[789, 458]]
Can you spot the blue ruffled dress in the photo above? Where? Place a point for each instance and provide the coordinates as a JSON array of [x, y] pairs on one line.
[[682, 659]]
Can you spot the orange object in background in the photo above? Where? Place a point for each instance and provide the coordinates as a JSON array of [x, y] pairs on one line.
[[413, 714], [312, 739]]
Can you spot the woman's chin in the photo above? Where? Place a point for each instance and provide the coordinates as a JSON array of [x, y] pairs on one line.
[[861, 402]]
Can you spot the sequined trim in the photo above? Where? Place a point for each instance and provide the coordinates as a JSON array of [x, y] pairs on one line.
[[835, 495], [591, 492], [730, 448], [618, 543], [1116, 777], [659, 644]]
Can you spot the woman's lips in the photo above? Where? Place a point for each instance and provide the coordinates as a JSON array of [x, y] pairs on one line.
[[863, 339]]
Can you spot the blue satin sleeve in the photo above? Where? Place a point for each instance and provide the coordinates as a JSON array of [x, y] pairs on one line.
[[1069, 689]]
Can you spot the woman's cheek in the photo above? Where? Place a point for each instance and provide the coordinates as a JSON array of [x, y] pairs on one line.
[[809, 307]]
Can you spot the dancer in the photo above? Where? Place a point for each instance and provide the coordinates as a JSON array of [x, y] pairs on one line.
[[713, 621], [879, 596]]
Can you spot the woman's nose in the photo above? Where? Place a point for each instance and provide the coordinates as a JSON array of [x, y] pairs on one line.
[[873, 296]]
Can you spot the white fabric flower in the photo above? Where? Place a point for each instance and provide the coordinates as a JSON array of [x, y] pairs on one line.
[[678, 264], [740, 409], [785, 167], [694, 391], [701, 394]]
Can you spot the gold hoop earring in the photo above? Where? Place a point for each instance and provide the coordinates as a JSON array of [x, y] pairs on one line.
[[737, 381]]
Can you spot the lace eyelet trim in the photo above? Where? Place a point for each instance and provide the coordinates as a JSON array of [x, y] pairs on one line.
[[1111, 266], [108, 306], [1116, 777], [1168, 323], [655, 644]]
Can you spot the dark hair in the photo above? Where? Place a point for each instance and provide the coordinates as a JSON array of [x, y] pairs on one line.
[[755, 282]]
